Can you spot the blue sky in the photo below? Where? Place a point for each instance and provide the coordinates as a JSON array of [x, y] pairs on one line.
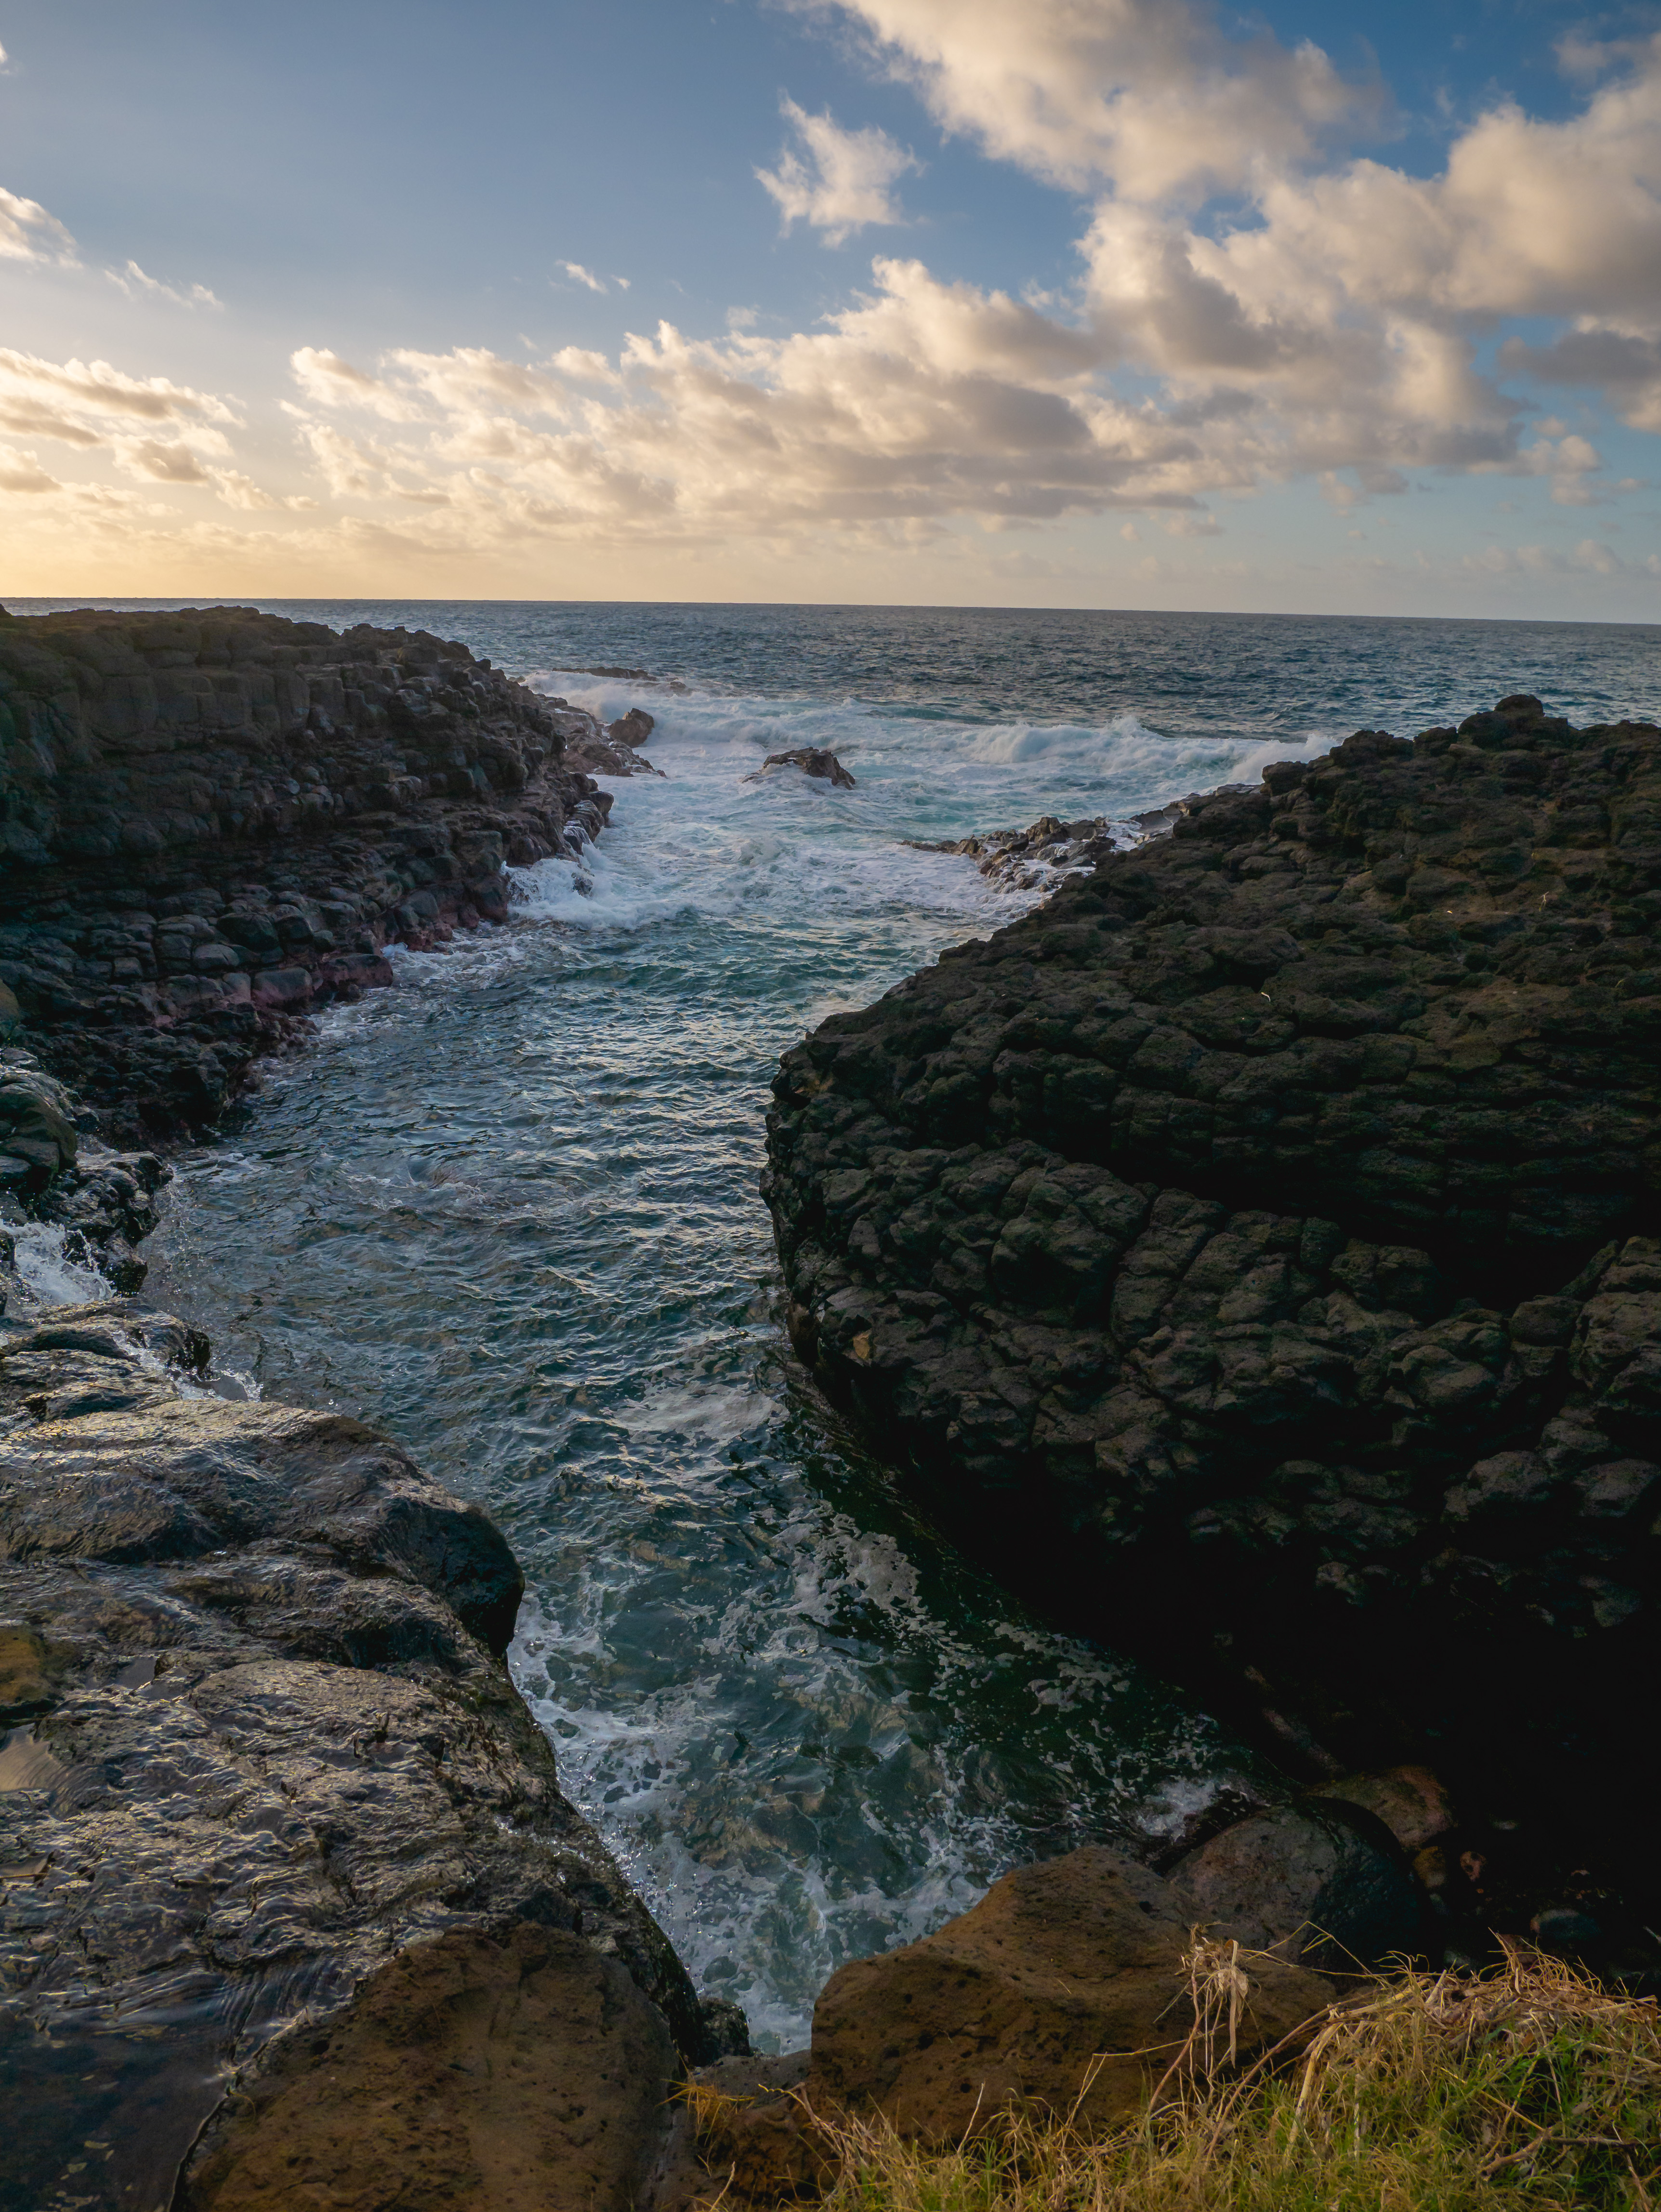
[[1094, 302]]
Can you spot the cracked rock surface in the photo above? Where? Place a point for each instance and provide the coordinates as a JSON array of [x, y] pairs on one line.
[[275, 1826], [1255, 1250]]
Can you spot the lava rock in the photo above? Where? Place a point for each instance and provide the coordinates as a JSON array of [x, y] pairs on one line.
[[1060, 1965], [264, 1765], [216, 820], [489, 2072], [1255, 1251], [811, 760], [1321, 1889]]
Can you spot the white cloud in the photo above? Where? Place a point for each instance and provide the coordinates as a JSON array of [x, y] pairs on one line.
[[1147, 96], [27, 232], [846, 180], [133, 281], [79, 401], [323, 377], [23, 472], [579, 275]]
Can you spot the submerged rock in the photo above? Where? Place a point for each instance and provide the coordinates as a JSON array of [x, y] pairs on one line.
[[287, 1867], [1255, 1251]]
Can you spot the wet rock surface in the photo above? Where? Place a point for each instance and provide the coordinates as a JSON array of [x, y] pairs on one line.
[[812, 760], [604, 749], [277, 1836], [1256, 1250], [1041, 857], [213, 821]]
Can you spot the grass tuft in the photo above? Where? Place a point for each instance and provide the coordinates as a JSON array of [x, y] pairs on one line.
[[1530, 2085]]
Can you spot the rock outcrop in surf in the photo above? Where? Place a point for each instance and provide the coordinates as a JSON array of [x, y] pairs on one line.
[[1256, 1250]]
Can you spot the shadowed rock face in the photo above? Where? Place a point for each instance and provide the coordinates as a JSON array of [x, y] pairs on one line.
[[1256, 1247], [212, 821], [259, 1754]]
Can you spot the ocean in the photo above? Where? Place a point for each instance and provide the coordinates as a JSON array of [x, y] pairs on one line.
[[508, 1211]]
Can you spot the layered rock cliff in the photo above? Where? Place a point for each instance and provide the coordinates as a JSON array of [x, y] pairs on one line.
[[1256, 1251], [212, 821]]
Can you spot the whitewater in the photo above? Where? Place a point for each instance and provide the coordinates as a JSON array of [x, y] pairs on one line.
[[508, 1211]]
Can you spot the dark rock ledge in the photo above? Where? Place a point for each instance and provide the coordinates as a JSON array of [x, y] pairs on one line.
[[215, 821], [1255, 1251], [287, 1872], [291, 1906]]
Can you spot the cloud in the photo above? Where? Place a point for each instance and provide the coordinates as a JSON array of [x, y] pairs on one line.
[[79, 400], [844, 183], [133, 281], [27, 232], [579, 275], [23, 472], [323, 377], [1623, 365], [1590, 557], [1148, 97]]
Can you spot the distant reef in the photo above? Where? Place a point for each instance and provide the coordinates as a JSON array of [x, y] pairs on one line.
[[1255, 1252], [215, 821]]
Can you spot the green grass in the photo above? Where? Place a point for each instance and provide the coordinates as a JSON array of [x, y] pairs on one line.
[[1530, 2086]]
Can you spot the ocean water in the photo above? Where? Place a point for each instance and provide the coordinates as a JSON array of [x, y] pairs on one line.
[[507, 1210]]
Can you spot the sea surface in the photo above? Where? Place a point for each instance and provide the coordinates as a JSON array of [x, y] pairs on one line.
[[508, 1211]]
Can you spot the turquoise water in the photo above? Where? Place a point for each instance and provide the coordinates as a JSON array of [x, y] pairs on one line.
[[508, 1211]]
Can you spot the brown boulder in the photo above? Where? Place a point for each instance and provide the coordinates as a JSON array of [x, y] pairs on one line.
[[1324, 1884], [1012, 2002], [520, 2072], [1409, 1800], [631, 729]]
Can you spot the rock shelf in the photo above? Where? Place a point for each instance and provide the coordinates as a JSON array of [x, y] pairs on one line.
[[213, 822], [1255, 1248], [265, 1777]]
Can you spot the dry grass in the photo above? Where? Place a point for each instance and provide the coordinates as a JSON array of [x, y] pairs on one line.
[[1528, 2086]]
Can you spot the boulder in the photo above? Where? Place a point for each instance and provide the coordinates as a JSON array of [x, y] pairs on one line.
[[1059, 1966], [631, 729], [811, 760], [490, 2071], [1409, 1800], [270, 1805], [1328, 1888]]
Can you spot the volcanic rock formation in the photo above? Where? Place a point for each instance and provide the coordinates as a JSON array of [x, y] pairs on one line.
[[212, 821], [1255, 1251], [287, 1874]]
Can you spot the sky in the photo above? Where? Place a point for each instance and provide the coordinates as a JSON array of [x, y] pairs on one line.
[[1067, 303]]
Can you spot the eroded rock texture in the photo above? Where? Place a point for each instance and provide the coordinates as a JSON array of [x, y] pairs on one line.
[[1255, 1251], [214, 820], [272, 1814]]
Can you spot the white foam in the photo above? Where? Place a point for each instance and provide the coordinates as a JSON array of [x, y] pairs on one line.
[[46, 1274]]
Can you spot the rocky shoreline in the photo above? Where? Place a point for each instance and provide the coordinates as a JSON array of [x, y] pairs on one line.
[[1255, 1248], [294, 1909], [213, 822]]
